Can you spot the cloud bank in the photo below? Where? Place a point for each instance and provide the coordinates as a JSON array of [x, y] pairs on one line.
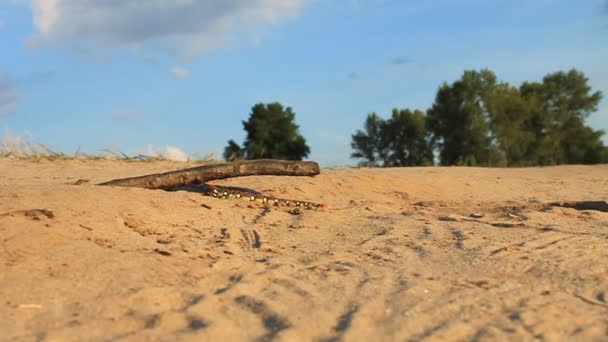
[[188, 27], [8, 95]]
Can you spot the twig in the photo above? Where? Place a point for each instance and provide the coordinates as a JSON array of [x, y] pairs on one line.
[[206, 173]]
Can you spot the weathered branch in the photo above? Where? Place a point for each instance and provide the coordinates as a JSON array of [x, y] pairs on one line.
[[206, 173], [583, 205]]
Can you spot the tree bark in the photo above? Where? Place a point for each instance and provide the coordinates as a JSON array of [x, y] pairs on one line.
[[206, 173]]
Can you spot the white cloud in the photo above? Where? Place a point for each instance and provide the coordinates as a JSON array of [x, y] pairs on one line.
[[168, 152], [180, 72], [8, 95], [175, 153], [127, 113], [188, 27]]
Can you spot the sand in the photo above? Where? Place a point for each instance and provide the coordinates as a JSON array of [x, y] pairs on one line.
[[402, 254]]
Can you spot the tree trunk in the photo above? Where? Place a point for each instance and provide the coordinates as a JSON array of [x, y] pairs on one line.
[[206, 173]]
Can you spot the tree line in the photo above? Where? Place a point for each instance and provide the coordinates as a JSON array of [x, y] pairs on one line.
[[476, 120]]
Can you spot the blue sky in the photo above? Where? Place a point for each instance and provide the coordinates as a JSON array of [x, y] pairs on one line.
[[93, 74]]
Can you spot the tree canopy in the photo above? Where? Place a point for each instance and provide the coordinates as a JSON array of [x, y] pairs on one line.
[[557, 108], [271, 133], [458, 120], [479, 120], [398, 141]]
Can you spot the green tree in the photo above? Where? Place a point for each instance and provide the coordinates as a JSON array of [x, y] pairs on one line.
[[509, 119], [582, 144], [406, 139], [459, 121], [369, 144], [478, 120], [558, 108], [544, 148], [271, 133], [398, 141], [233, 151]]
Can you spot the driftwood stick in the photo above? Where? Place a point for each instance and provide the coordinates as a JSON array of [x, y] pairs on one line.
[[582, 205], [206, 173]]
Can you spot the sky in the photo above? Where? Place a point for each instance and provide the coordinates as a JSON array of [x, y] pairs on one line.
[[142, 75]]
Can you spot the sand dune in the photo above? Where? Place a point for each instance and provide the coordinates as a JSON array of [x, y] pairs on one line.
[[404, 254]]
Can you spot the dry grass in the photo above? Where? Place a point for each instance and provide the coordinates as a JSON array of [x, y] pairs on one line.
[[15, 147]]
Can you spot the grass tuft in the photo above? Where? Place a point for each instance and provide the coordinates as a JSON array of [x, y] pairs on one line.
[[15, 147]]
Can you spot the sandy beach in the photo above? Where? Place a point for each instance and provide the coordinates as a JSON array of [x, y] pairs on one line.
[[399, 254]]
